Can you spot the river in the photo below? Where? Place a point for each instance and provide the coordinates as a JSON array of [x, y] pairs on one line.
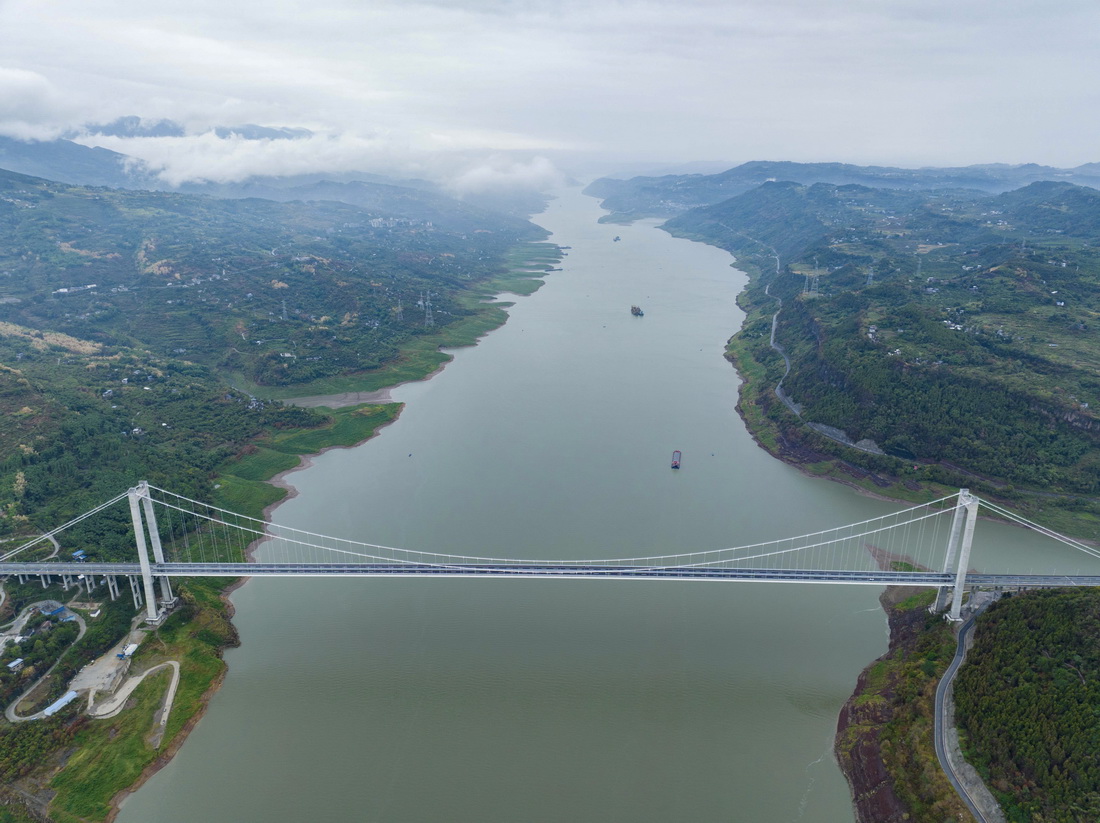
[[500, 701]]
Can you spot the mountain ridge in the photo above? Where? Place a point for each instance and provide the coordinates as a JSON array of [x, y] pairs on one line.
[[673, 194]]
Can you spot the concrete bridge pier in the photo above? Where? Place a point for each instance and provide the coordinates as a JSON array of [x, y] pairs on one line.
[[112, 586], [135, 590], [957, 557]]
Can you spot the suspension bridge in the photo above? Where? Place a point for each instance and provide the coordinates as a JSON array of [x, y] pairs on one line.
[[176, 536]]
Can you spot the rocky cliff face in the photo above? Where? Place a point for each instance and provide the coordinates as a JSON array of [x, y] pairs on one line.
[[858, 738]]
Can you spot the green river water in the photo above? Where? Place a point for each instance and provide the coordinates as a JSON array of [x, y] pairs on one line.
[[516, 701]]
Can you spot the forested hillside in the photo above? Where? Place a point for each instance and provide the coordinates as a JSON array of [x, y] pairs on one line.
[[955, 331], [1027, 703], [279, 292], [125, 316], [86, 421]]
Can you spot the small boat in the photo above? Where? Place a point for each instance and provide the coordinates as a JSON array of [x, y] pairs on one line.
[[637, 311], [616, 239], [676, 459]]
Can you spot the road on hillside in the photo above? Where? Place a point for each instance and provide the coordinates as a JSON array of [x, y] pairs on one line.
[[941, 727]]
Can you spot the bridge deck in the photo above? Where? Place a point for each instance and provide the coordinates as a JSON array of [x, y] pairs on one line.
[[871, 578]]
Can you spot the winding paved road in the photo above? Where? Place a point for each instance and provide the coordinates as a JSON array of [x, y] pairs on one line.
[[941, 729], [116, 702]]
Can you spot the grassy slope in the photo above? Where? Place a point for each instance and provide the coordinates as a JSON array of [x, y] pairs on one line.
[[113, 753]]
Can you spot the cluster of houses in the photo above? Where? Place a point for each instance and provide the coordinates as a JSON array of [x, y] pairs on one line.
[[57, 614]]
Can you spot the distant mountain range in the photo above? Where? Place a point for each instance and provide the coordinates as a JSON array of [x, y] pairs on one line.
[[133, 126], [674, 194], [791, 218]]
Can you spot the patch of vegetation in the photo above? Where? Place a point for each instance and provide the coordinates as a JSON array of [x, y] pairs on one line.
[[284, 293], [920, 600], [143, 336], [24, 746], [111, 754], [948, 329], [1028, 702], [892, 715], [38, 653]]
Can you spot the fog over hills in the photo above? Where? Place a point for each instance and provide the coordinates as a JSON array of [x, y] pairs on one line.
[[67, 161]]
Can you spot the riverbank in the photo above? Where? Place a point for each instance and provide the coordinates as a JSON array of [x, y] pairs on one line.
[[110, 759], [710, 690], [884, 740], [757, 403], [342, 400], [358, 415], [884, 743], [780, 427], [169, 751]]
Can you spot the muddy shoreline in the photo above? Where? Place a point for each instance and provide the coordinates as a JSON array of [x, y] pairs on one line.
[[342, 400], [174, 746], [348, 398], [280, 481]]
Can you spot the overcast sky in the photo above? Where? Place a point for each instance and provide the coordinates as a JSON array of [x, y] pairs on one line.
[[498, 89]]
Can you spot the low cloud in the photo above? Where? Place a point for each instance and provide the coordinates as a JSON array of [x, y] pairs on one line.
[[233, 157], [30, 107], [502, 174], [909, 81], [228, 156]]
